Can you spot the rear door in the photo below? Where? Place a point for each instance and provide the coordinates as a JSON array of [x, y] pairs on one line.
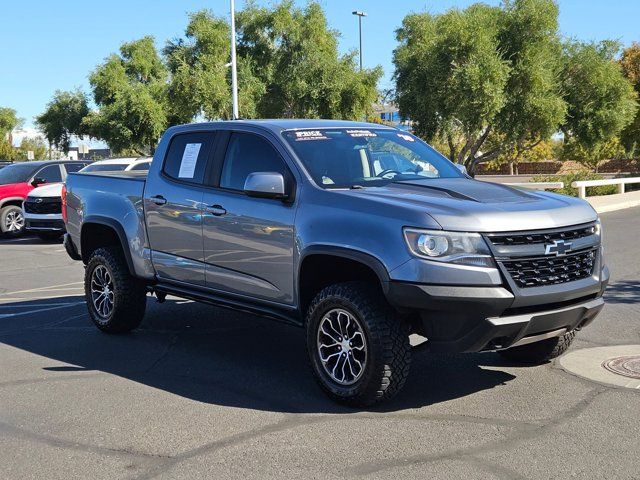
[[248, 242], [173, 208]]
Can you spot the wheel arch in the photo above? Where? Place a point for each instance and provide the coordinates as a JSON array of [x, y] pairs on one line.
[[319, 265], [15, 201], [98, 231]]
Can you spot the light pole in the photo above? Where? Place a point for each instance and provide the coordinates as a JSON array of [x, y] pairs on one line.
[[360, 15], [234, 70]]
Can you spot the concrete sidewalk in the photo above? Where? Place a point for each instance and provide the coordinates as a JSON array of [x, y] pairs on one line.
[[609, 203]]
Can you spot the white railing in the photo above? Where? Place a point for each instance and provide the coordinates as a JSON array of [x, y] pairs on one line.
[[582, 185], [537, 185]]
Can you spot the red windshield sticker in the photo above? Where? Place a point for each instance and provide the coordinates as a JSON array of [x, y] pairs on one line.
[[302, 135], [361, 133], [406, 137]]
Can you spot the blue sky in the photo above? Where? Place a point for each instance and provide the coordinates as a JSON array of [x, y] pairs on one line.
[[47, 45]]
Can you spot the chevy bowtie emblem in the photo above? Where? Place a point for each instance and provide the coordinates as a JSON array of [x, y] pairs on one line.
[[559, 247], [39, 200]]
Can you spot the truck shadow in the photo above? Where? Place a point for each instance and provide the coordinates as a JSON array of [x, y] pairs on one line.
[[624, 291], [218, 356]]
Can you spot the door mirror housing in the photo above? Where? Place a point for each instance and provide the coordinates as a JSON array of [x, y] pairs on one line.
[[462, 169], [38, 181], [265, 185]]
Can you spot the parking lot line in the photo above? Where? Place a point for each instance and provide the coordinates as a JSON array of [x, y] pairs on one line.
[[67, 305], [49, 288]]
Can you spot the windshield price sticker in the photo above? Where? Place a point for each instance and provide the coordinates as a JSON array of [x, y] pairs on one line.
[[406, 137], [361, 133], [302, 135]]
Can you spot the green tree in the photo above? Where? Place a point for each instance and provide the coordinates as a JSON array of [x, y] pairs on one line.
[[62, 119], [630, 63], [601, 101], [294, 55], [483, 80], [130, 91], [8, 121], [35, 144], [200, 77]]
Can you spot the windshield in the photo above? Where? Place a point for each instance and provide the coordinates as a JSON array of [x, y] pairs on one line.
[[349, 157], [105, 167], [17, 173]]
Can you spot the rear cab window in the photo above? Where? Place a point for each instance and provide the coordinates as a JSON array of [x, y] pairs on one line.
[[186, 158]]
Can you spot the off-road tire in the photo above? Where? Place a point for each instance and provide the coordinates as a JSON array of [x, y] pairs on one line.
[[130, 295], [4, 212], [387, 335], [540, 352]]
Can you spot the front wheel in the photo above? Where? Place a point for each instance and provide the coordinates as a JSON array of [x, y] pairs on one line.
[[11, 220], [116, 300], [358, 347], [540, 352]]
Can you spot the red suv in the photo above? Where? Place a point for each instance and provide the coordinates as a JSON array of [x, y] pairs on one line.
[[18, 179]]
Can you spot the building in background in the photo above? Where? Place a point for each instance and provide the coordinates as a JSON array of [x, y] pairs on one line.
[[388, 113]]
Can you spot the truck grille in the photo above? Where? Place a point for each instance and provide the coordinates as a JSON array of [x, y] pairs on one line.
[[529, 238], [541, 271], [45, 206]]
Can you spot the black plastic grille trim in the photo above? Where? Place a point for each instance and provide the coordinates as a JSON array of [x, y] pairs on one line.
[[529, 238], [46, 207], [541, 271]]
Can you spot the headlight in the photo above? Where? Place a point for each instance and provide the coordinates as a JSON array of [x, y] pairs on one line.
[[451, 247]]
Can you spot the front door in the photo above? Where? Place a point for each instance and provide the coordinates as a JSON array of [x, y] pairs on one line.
[[173, 209], [248, 242]]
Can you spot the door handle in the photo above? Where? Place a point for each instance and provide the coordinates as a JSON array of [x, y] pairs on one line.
[[217, 210], [158, 200]]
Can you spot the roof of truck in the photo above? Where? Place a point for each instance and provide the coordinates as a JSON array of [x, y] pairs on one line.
[[291, 124]]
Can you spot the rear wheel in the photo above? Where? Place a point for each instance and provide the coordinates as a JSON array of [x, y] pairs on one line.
[[540, 352], [116, 300], [358, 347], [11, 220]]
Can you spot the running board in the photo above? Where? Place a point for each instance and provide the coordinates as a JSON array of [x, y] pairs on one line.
[[237, 304]]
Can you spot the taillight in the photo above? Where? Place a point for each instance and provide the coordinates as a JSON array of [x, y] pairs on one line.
[[64, 203]]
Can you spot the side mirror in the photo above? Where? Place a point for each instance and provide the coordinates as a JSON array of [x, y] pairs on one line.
[[38, 181], [265, 185], [462, 169]]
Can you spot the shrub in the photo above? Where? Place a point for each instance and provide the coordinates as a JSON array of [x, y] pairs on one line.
[[574, 177]]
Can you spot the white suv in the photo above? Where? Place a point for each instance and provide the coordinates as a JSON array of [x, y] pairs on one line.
[[42, 207]]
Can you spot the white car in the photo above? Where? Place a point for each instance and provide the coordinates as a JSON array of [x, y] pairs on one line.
[[119, 165], [42, 207]]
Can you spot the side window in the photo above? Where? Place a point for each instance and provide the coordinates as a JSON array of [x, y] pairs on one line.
[[50, 174], [248, 153], [187, 155], [74, 167]]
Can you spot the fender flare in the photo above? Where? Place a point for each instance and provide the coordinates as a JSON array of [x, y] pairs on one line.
[[365, 258], [118, 228]]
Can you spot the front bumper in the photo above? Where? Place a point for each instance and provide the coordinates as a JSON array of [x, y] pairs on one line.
[[473, 319], [43, 222]]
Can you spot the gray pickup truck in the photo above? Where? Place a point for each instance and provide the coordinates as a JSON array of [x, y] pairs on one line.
[[362, 234]]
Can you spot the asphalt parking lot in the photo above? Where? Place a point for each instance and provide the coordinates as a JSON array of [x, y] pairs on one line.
[[199, 392]]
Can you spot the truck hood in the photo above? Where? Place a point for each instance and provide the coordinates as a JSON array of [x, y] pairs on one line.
[[50, 190], [463, 204]]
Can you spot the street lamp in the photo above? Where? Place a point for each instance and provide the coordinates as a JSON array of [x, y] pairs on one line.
[[234, 70], [360, 15]]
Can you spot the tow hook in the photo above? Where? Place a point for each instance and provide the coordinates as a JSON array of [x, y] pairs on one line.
[[160, 296]]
